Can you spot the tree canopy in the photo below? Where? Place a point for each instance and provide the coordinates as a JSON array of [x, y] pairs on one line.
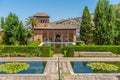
[[14, 31], [117, 12], [32, 22], [86, 33], [104, 20]]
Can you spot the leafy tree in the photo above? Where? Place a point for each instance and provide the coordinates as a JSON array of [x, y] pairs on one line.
[[86, 33], [14, 31], [117, 12], [2, 22], [32, 22], [104, 20], [22, 35]]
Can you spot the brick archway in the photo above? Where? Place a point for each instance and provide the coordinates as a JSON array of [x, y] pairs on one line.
[[57, 39]]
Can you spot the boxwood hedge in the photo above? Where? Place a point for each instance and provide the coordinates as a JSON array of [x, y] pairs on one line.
[[26, 51], [69, 50]]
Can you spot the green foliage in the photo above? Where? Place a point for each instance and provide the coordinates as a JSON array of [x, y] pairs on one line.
[[2, 22], [86, 33], [68, 52], [32, 21], [35, 43], [13, 67], [14, 31], [103, 67], [80, 43], [104, 20], [26, 51], [51, 52], [1, 41], [116, 64], [117, 12], [69, 49]]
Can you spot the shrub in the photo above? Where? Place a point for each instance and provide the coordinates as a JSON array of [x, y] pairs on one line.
[[26, 51], [80, 43], [1, 41], [70, 52], [103, 67], [114, 49], [46, 52], [35, 43], [13, 67]]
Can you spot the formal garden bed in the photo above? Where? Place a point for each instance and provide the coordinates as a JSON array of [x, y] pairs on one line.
[[26, 51], [69, 51]]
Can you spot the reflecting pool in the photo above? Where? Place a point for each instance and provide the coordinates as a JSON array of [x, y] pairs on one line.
[[35, 68]]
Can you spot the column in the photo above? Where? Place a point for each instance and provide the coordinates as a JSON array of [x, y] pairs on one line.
[[68, 35], [61, 35], [41, 35], [47, 35], [74, 36], [54, 35]]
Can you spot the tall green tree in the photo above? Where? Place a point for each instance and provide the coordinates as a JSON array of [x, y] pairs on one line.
[[2, 22], [32, 21], [86, 33], [104, 20], [14, 31], [117, 12]]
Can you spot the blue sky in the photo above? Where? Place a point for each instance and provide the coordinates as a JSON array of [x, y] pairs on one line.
[[56, 9]]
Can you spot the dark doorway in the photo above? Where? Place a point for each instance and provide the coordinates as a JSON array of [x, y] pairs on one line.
[[57, 38]]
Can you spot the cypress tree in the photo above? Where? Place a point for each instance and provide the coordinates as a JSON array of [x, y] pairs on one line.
[[2, 22], [117, 13], [104, 17], [86, 32]]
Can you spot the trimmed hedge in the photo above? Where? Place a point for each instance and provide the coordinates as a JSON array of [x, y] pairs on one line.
[[35, 43], [80, 43], [26, 51], [66, 50]]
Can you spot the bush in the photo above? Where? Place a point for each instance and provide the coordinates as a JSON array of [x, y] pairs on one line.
[[103, 67], [47, 52], [1, 41], [68, 52], [13, 67], [35, 43], [64, 50], [80, 43], [114, 49], [26, 51]]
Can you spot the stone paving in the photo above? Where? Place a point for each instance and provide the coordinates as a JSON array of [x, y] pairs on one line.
[[66, 71], [109, 54]]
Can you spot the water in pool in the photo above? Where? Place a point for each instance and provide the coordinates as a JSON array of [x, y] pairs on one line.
[[35, 68], [81, 67]]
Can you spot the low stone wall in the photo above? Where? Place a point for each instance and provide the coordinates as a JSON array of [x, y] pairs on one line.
[[94, 54]]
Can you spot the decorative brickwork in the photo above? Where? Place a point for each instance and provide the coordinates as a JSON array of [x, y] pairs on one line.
[[49, 32]]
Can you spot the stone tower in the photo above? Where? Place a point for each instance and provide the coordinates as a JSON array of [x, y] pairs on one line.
[[42, 17]]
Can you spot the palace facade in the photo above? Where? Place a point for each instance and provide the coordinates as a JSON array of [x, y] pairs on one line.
[[51, 32]]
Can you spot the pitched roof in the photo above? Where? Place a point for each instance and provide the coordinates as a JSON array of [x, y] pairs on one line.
[[40, 14]]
